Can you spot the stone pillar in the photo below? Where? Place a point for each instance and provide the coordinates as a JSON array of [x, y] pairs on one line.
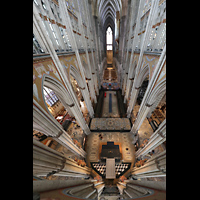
[[158, 185], [92, 36], [49, 126], [47, 185], [121, 187], [122, 37], [133, 99], [154, 167], [47, 42], [90, 83], [141, 6], [83, 191], [99, 187], [148, 93], [87, 189], [96, 38], [67, 23], [145, 39], [55, 26], [157, 138], [143, 111], [131, 190], [47, 161], [39, 39]]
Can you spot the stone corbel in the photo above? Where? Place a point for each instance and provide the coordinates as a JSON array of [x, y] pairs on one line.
[[71, 105], [137, 88], [82, 88], [148, 105]]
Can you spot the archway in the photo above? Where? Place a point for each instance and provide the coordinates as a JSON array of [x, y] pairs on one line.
[[157, 101], [109, 45], [141, 86], [62, 109], [79, 90], [148, 123]]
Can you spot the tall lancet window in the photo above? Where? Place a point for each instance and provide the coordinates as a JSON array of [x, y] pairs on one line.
[[109, 38]]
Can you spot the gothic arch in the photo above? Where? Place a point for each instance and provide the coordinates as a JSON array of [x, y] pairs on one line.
[[159, 89], [76, 75], [132, 70], [59, 90], [143, 74], [86, 69]]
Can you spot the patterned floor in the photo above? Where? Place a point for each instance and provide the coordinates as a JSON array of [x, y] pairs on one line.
[[110, 124], [115, 111], [121, 138]]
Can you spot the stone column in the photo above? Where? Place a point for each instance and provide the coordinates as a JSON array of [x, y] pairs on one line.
[[149, 89], [92, 34], [90, 83], [87, 189], [73, 109], [47, 185], [67, 23], [141, 6], [95, 24], [133, 98], [154, 167], [48, 44], [83, 191], [144, 42], [47, 161], [39, 39], [55, 26], [99, 187], [158, 185], [142, 113], [49, 126], [157, 138], [131, 190], [121, 187]]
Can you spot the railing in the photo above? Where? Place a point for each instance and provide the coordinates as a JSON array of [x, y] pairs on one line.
[[59, 53]]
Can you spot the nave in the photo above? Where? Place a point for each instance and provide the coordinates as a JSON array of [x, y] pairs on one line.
[[99, 99]]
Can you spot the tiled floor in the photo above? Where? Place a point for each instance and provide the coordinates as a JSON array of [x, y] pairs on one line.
[[115, 112], [110, 124], [124, 138]]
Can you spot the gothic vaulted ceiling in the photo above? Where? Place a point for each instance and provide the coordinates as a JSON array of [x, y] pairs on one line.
[[106, 9]]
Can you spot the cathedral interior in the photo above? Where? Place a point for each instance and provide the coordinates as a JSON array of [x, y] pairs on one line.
[[99, 99]]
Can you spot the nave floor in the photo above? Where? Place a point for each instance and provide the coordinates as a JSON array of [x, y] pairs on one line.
[[93, 146], [115, 111]]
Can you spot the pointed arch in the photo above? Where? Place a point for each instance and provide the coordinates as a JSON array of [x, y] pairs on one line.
[[159, 89], [143, 74], [76, 75], [132, 70], [60, 91], [86, 69]]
